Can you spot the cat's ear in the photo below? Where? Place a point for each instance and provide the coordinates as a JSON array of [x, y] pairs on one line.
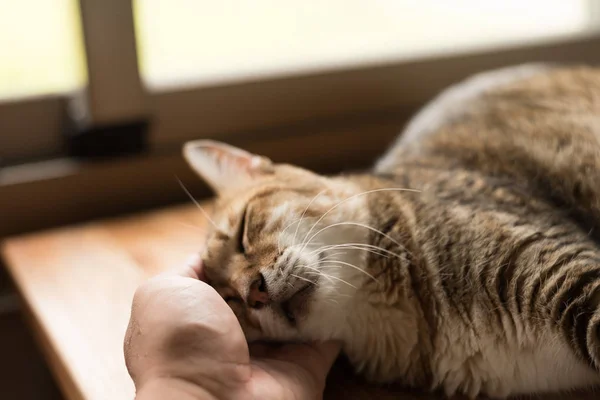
[[225, 167]]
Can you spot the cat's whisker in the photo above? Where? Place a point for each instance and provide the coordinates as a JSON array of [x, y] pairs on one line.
[[197, 204], [355, 267], [310, 244], [368, 250], [304, 213], [319, 262], [361, 226], [315, 244], [302, 278], [191, 226], [327, 265], [333, 277], [333, 255], [357, 246], [353, 197], [333, 301], [318, 271], [311, 266], [280, 236], [345, 246], [298, 222]]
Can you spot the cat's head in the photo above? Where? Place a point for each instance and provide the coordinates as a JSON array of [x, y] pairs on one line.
[[283, 250]]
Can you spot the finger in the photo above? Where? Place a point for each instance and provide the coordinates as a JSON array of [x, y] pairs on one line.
[[316, 358], [195, 267]]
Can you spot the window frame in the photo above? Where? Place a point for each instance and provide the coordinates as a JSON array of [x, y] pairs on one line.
[[31, 128]]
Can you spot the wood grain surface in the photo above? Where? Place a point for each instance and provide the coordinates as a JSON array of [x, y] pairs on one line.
[[77, 284]]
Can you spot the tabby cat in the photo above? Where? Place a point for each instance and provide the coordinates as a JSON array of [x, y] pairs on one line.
[[467, 259]]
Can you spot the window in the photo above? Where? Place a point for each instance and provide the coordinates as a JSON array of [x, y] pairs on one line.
[[199, 68], [183, 42], [40, 48]]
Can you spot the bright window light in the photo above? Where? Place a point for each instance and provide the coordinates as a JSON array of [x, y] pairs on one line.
[[183, 42], [41, 48]]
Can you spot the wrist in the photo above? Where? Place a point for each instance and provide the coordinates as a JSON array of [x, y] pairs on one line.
[[172, 388]]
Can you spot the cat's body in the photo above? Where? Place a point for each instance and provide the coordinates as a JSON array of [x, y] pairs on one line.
[[468, 259]]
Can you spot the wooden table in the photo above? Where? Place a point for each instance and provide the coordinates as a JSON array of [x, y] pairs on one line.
[[77, 284]]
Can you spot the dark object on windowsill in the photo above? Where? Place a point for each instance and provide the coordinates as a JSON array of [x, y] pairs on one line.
[[106, 141]]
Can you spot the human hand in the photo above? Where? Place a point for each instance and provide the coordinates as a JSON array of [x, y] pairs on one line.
[[183, 341]]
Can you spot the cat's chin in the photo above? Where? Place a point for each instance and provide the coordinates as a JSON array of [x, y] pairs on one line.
[[297, 307], [274, 324]]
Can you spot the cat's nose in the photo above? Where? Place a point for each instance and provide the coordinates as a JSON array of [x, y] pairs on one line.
[[258, 295]]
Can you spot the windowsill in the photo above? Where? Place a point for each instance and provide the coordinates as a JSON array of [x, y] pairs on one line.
[[39, 171], [62, 191]]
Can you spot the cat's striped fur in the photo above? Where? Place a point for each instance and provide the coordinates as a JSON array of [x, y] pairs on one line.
[[485, 280]]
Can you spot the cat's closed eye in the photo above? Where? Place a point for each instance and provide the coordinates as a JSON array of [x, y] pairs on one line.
[[242, 233]]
